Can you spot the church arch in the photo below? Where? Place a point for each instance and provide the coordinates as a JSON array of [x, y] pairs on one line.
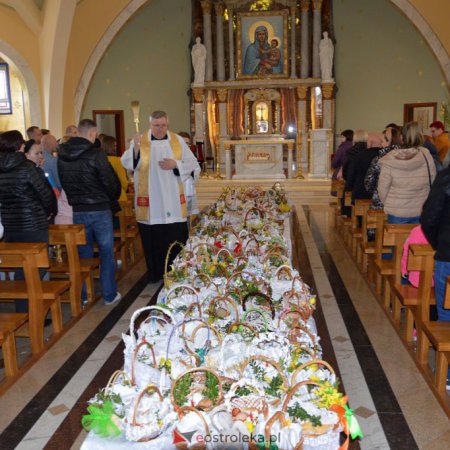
[[28, 80], [99, 51], [427, 32]]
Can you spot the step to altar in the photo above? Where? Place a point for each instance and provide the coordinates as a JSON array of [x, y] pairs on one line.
[[311, 191]]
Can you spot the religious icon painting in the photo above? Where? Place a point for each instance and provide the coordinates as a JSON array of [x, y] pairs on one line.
[[262, 44]]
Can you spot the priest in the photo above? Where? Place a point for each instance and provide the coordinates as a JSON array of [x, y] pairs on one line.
[[161, 161]]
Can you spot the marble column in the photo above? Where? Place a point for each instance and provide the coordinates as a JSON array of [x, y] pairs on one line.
[[223, 130], [232, 75], [293, 63], [328, 105], [228, 160], [278, 118], [207, 38], [317, 35], [304, 23], [290, 160], [302, 130], [246, 118], [320, 153], [220, 53], [199, 116]]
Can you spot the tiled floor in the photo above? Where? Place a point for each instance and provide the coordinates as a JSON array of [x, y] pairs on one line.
[[394, 405]]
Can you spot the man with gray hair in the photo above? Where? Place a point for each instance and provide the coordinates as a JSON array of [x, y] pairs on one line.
[[161, 161]]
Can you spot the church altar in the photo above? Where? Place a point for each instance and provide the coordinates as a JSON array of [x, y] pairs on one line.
[[265, 75], [258, 158]]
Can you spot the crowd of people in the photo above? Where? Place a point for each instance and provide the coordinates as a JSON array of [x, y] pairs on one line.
[[406, 174], [81, 179]]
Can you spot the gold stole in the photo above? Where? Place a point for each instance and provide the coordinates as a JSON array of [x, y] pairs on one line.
[[143, 199]]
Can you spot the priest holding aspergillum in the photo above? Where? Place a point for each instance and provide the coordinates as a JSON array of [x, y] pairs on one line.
[[161, 161]]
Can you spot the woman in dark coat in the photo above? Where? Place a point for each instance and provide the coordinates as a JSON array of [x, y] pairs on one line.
[[27, 201]]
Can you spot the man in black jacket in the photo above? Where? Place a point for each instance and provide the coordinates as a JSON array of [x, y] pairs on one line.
[[92, 189], [435, 221]]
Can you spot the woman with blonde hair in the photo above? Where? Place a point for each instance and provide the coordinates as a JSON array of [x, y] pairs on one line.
[[406, 175]]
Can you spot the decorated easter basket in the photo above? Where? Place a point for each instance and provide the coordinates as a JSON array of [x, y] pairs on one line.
[[269, 374], [317, 369], [190, 422], [257, 318], [149, 417], [107, 409], [285, 437], [178, 272], [263, 303], [247, 331], [315, 433], [222, 307], [140, 359], [246, 400], [199, 387]]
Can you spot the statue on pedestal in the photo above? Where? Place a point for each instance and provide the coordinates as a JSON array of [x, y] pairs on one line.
[[198, 54], [326, 53]]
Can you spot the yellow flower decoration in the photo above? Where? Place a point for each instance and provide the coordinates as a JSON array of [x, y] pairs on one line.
[[328, 395], [250, 425], [312, 301], [284, 207]]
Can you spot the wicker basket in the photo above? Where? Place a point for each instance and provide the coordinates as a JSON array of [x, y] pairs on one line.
[[266, 300], [318, 362], [180, 290], [184, 445], [168, 278], [143, 431], [240, 327], [191, 372], [279, 416], [308, 430], [223, 307], [267, 361]]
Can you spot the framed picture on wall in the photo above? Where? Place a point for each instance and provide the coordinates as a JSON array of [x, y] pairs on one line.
[[262, 44], [5, 90], [423, 113]]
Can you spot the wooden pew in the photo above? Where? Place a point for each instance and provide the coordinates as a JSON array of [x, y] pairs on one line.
[[120, 240], [77, 270], [8, 325], [41, 295], [363, 246], [376, 220], [416, 301], [133, 240], [437, 334], [359, 209], [347, 221], [382, 268], [338, 187], [394, 236]]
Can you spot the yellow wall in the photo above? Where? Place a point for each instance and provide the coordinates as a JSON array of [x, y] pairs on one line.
[[437, 14], [14, 32], [149, 60], [17, 120], [92, 18]]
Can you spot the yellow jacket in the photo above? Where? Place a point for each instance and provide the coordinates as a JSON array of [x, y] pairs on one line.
[[122, 174], [442, 144]]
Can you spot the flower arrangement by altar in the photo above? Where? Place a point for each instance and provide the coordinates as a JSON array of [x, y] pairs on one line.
[[231, 347]]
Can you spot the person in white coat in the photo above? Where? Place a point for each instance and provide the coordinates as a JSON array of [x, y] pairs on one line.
[[161, 162]]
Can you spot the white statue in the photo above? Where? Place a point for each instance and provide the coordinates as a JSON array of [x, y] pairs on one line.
[[198, 54], [326, 52]]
